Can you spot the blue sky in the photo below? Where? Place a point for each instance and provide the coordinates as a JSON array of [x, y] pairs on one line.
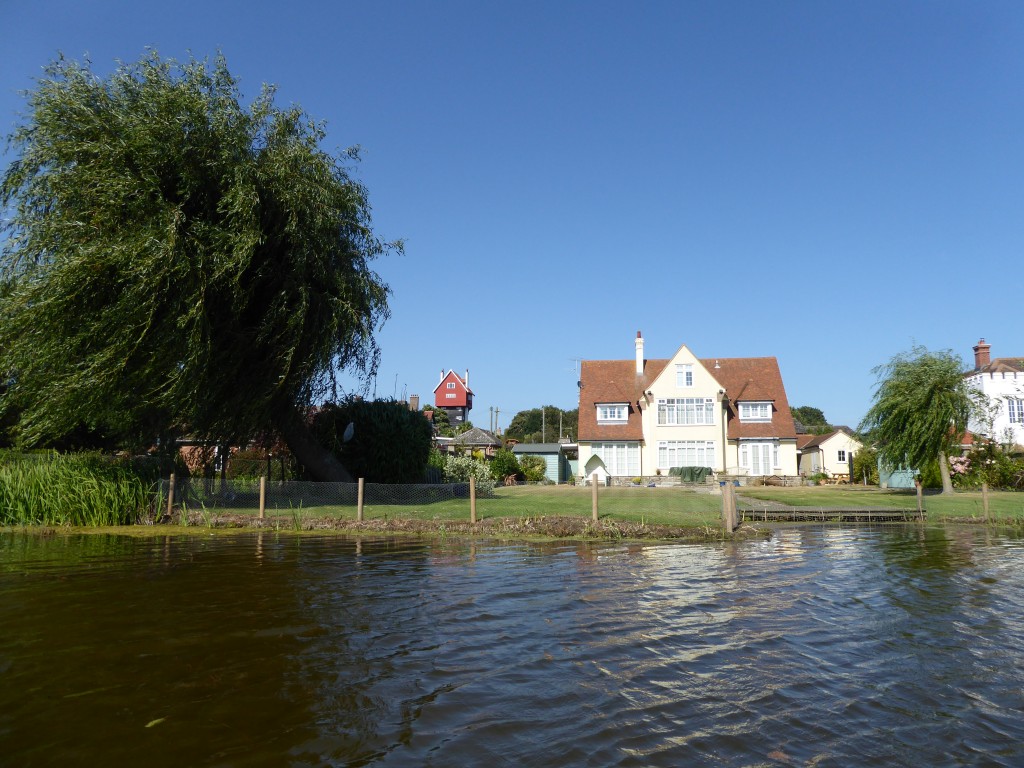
[[827, 183]]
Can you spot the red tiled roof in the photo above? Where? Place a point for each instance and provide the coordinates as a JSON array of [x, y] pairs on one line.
[[753, 378], [613, 381], [743, 378]]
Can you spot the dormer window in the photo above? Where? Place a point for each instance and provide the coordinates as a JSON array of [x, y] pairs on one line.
[[756, 411], [613, 413]]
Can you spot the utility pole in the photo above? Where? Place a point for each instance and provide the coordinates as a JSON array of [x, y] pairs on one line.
[[543, 430]]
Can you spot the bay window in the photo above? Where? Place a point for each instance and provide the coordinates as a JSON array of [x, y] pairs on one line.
[[686, 453], [620, 459], [686, 410]]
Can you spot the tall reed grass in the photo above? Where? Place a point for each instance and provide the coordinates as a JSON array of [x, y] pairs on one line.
[[71, 489]]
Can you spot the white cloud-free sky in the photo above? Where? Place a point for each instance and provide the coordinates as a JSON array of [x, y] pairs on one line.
[[827, 183]]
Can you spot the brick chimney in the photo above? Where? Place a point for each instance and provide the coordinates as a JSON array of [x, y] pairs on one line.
[[639, 353], [981, 354]]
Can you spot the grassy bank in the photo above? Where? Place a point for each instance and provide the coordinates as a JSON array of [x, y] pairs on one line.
[[73, 489]]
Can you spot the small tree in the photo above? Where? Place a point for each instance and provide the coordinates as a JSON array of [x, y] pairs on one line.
[[504, 464], [922, 405]]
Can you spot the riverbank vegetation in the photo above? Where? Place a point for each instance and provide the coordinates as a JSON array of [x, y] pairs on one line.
[[73, 489]]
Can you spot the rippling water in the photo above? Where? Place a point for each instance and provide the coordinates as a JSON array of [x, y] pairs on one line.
[[823, 646]]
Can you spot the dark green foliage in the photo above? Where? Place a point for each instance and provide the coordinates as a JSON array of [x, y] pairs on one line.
[[810, 417], [442, 423], [530, 427], [865, 464], [390, 443], [176, 262], [504, 464]]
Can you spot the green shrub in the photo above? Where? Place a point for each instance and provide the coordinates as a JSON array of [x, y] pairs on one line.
[[865, 463], [389, 444], [534, 468], [458, 469], [504, 464]]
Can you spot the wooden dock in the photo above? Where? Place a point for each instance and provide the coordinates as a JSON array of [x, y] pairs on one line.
[[780, 513]]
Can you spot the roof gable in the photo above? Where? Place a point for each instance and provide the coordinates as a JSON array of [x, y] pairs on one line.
[[747, 379], [452, 376]]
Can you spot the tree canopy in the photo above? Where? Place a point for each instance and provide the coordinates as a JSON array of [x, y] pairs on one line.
[[539, 425], [176, 262], [921, 408], [812, 418]]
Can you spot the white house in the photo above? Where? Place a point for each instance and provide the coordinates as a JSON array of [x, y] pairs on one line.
[[830, 454], [1001, 381], [640, 416]]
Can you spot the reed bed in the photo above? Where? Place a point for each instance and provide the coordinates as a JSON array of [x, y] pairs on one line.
[[72, 489]]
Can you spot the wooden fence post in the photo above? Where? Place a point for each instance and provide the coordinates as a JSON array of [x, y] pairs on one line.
[[920, 500], [359, 500], [729, 507], [170, 495], [593, 495], [984, 499], [472, 499], [263, 495]]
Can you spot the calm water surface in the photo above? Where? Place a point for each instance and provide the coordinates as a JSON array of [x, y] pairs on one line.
[[821, 647]]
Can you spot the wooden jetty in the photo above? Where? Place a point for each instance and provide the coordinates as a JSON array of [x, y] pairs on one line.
[[778, 512]]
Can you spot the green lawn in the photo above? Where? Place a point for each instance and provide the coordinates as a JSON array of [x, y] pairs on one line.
[[656, 506]]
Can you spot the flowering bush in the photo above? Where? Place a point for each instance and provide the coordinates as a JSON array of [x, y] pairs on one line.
[[458, 469], [959, 465]]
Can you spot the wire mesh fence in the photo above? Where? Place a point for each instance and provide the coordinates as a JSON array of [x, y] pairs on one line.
[[448, 501]]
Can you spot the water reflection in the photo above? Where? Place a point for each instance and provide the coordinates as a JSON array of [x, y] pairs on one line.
[[822, 646]]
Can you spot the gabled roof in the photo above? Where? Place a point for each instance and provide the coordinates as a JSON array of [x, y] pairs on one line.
[[453, 376], [613, 381], [813, 441], [477, 436], [743, 378], [748, 379]]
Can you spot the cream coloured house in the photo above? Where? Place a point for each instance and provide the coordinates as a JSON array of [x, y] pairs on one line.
[[640, 417], [830, 454]]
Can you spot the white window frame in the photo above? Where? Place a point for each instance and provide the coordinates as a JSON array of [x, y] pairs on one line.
[[620, 459], [612, 413], [450, 396], [753, 454], [756, 410], [841, 456], [1015, 410], [451, 385], [686, 411], [684, 375], [686, 453]]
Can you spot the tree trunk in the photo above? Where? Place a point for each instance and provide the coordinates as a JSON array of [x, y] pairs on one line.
[[319, 462], [947, 483]]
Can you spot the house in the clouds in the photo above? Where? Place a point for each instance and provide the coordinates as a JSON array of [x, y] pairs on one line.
[[641, 417], [454, 396]]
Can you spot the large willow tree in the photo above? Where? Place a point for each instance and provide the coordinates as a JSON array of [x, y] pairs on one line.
[[921, 409], [177, 263]]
